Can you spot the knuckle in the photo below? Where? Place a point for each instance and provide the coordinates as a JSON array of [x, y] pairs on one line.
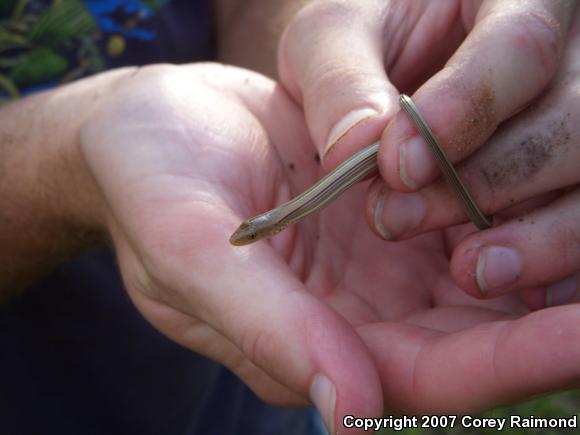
[[254, 344], [541, 38], [328, 12], [333, 72], [338, 80]]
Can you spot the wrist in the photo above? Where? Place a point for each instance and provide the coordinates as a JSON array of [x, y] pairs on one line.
[[71, 197], [51, 204]]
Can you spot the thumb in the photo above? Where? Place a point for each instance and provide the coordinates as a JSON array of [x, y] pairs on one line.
[[254, 300], [294, 337], [331, 61]]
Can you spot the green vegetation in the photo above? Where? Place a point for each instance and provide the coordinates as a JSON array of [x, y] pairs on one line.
[[37, 45]]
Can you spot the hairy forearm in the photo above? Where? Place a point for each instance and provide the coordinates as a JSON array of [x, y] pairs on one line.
[[48, 207], [47, 199], [248, 31]]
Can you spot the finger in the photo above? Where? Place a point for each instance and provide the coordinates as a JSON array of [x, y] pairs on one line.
[[566, 291], [539, 249], [532, 156], [331, 60], [193, 334], [507, 59], [253, 299], [534, 298], [297, 340], [428, 372], [451, 313]]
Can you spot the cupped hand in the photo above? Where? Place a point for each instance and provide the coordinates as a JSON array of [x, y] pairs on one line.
[[325, 311], [182, 155]]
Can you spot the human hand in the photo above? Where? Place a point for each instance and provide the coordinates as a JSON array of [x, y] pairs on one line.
[[526, 175], [507, 52], [181, 156], [382, 322], [347, 63]]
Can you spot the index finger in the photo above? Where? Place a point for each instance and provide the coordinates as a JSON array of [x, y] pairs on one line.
[[479, 367], [507, 59]]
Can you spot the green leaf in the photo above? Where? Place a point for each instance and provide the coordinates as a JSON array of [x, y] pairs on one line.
[[10, 40], [38, 66], [18, 9], [89, 51], [9, 62], [61, 22]]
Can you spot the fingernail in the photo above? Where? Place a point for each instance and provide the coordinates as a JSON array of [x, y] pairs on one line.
[[347, 123], [416, 163], [323, 395], [497, 267], [561, 292], [398, 213]]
